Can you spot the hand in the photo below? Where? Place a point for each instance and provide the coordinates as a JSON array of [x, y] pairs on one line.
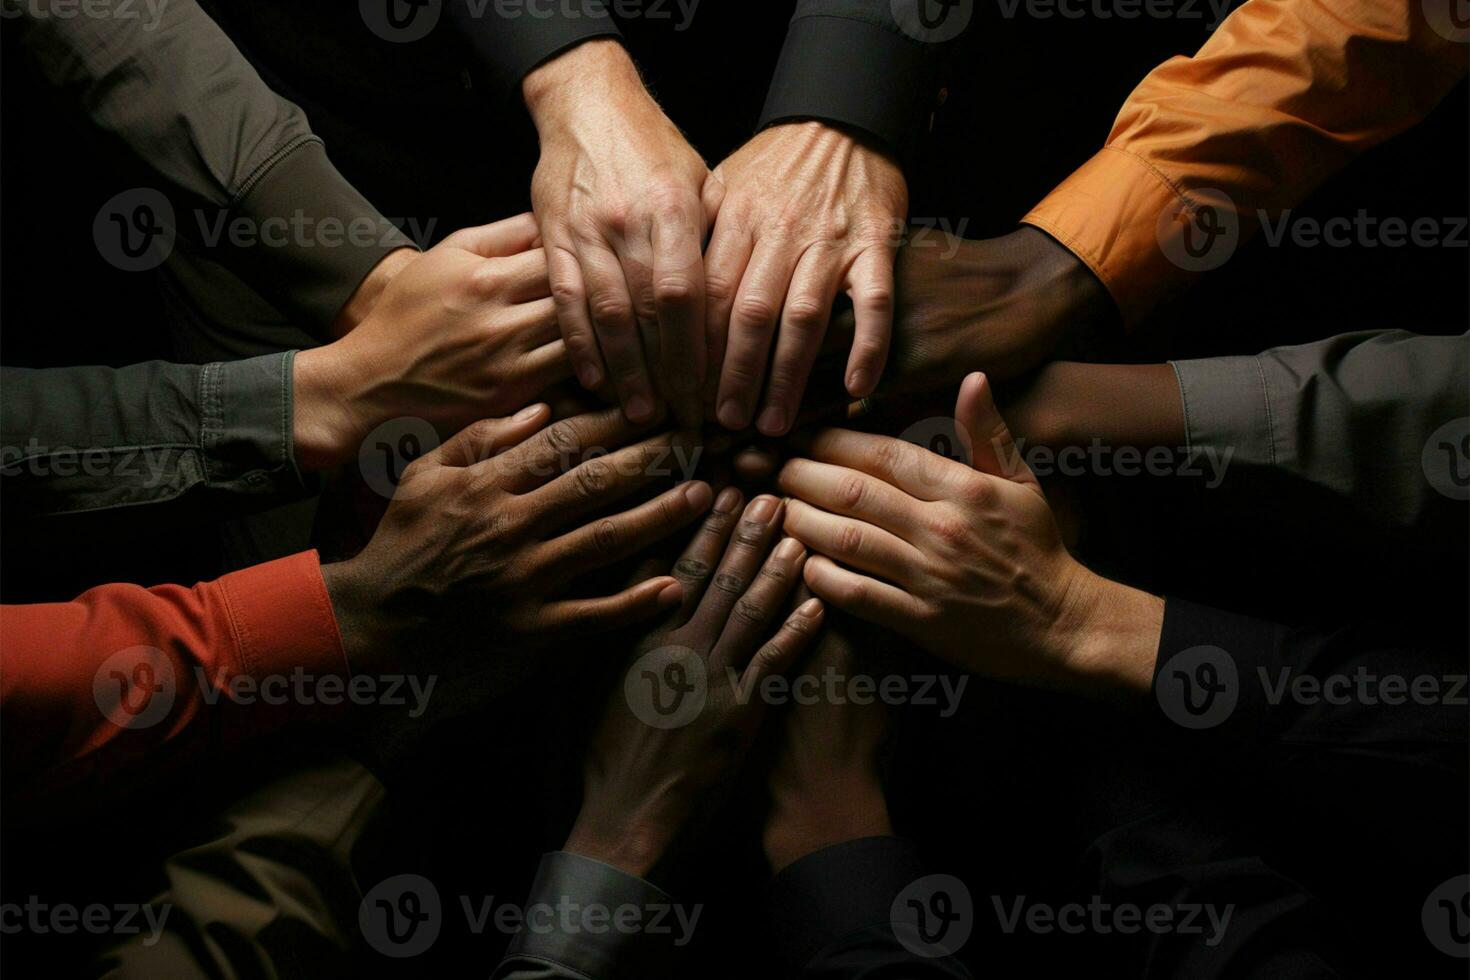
[[617, 193], [999, 305], [965, 561], [466, 331], [803, 211], [370, 290], [486, 532], [648, 773], [825, 785]]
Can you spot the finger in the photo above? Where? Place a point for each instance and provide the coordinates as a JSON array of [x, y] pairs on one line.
[[754, 613], [697, 564], [483, 440], [757, 528], [725, 261], [839, 490], [870, 284], [569, 291], [803, 323], [597, 483], [545, 366], [534, 323], [852, 542], [612, 539], [561, 446], [917, 472], [752, 324], [502, 238], [583, 617], [866, 598], [784, 649], [984, 433], [678, 296], [617, 329], [518, 278]]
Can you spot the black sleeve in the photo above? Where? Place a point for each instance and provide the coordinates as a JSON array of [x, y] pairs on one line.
[[844, 912], [510, 40], [873, 65]]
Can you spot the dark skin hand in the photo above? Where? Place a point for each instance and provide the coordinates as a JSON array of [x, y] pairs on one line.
[[648, 776], [486, 532], [825, 785]]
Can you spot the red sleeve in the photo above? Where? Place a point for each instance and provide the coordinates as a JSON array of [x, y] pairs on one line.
[[124, 677]]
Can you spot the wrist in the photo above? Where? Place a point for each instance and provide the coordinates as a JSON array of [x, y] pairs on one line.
[[355, 606], [324, 426], [371, 289], [1107, 637], [823, 812], [634, 847], [580, 79]]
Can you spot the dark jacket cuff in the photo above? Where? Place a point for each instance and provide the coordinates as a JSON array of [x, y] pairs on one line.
[[1208, 674], [839, 892], [858, 74], [597, 921], [313, 237], [509, 44]]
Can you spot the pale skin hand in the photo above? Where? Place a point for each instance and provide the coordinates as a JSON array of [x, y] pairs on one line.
[[366, 296], [617, 193], [803, 211], [467, 329], [942, 553]]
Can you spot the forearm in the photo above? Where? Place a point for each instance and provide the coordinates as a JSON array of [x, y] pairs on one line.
[[598, 71], [1073, 404]]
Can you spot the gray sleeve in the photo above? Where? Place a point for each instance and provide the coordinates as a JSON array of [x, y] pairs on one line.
[[586, 920], [1381, 419], [80, 439], [237, 165]]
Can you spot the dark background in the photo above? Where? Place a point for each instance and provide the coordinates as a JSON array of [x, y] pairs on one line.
[[1002, 803]]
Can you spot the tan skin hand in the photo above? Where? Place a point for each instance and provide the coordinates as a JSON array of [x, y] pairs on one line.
[[617, 193], [804, 212]]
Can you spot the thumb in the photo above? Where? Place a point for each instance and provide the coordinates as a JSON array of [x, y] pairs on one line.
[[484, 440], [986, 436], [504, 238]]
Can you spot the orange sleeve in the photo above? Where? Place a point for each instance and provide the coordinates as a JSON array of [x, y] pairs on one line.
[[125, 681], [1282, 95]]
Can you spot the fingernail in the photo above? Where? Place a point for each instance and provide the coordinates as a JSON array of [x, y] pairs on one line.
[[698, 495], [857, 384], [728, 500], [810, 609], [762, 510], [672, 594], [589, 375], [788, 550], [526, 414], [773, 421], [639, 408], [731, 415]]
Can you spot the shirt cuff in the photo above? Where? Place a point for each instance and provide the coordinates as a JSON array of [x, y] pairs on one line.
[[1109, 212], [313, 237], [287, 640], [1210, 671], [511, 45], [617, 927], [839, 892], [1227, 409], [246, 429], [854, 73]]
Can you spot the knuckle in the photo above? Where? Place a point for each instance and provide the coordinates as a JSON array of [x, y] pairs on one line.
[[892, 455], [769, 656], [674, 291], [851, 493], [850, 539], [755, 310], [567, 292], [975, 489], [612, 311], [805, 314], [565, 437], [949, 529], [749, 611], [876, 299], [727, 582], [692, 570], [750, 532], [616, 215], [715, 525], [593, 478], [606, 537], [718, 288]]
